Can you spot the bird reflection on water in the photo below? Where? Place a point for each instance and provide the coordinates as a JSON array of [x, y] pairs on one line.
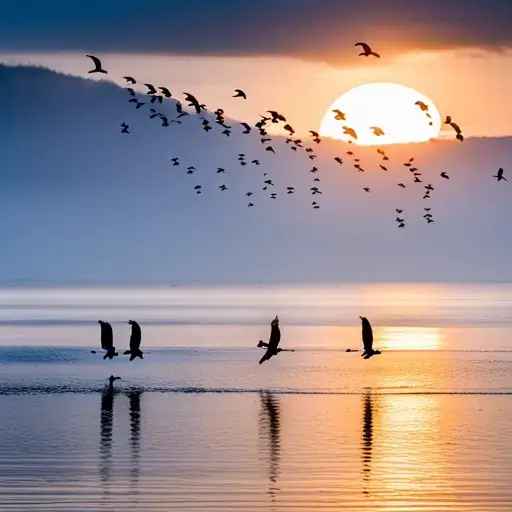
[[106, 432], [367, 438], [270, 419], [106, 428], [134, 399]]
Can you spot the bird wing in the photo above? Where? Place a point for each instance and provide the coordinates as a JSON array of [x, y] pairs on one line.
[[97, 62], [368, 339], [191, 98], [151, 88], [365, 47], [135, 338]]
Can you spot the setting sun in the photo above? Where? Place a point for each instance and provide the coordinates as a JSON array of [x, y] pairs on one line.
[[382, 113]]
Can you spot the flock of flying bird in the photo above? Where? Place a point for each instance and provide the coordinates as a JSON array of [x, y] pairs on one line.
[[159, 94], [272, 347]]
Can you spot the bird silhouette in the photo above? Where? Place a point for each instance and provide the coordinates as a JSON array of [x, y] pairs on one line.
[[401, 185], [166, 92], [340, 116], [107, 340], [367, 51], [193, 102], [423, 106], [273, 342], [151, 89], [130, 80], [223, 187], [135, 340], [239, 94], [250, 205], [367, 335], [366, 189], [97, 64], [124, 127], [138, 103], [350, 131], [377, 131], [499, 176], [247, 128], [131, 92], [276, 116]]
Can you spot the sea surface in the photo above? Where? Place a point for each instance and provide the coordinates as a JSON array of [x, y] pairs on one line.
[[198, 425]]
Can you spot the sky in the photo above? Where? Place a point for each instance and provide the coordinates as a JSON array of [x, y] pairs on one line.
[[124, 216]]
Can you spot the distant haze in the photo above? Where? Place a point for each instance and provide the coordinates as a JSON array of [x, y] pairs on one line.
[[82, 203]]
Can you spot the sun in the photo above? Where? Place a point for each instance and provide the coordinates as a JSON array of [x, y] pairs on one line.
[[391, 107]]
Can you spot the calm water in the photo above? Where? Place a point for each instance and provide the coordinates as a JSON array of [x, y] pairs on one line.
[[199, 425]]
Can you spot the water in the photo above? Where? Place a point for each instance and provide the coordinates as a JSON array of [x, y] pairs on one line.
[[199, 425]]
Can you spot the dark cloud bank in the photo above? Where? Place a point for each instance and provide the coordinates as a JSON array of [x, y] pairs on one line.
[[323, 30], [81, 202]]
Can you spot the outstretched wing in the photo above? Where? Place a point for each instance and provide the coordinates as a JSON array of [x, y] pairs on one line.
[[368, 338], [364, 46], [97, 62]]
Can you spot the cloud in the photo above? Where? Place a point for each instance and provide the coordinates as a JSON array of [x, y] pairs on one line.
[[323, 31], [79, 201]]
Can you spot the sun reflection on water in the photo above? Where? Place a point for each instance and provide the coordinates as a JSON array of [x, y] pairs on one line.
[[409, 338]]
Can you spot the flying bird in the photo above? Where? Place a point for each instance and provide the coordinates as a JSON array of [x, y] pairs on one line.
[[107, 340], [130, 80], [350, 131], [97, 64], [151, 89], [273, 342], [499, 176], [276, 116], [423, 106], [377, 131], [135, 340], [314, 134], [193, 102], [131, 92], [223, 187], [340, 116], [367, 51], [239, 94], [124, 127], [138, 103], [366, 189], [166, 92], [247, 128], [367, 335]]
